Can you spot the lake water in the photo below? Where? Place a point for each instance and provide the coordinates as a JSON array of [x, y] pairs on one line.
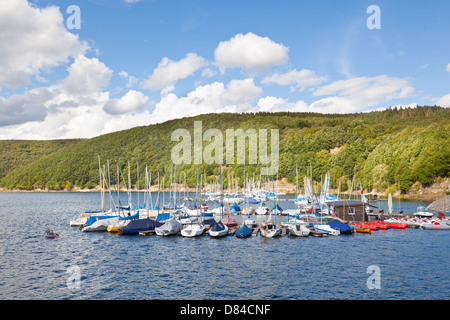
[[411, 263]]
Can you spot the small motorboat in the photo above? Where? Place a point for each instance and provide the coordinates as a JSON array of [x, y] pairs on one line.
[[298, 230]]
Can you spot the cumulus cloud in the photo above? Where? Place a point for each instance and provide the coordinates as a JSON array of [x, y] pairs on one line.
[[277, 104], [297, 79], [444, 101], [168, 72], [29, 106], [132, 101], [237, 96], [448, 68], [33, 39], [250, 52], [87, 76], [131, 80], [358, 93]]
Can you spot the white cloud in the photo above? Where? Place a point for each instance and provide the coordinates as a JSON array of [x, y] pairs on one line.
[[132, 101], [276, 104], [29, 106], [444, 101], [169, 72], [356, 94], [300, 79], [131, 81], [251, 52], [211, 98], [32, 40], [448, 68], [87, 76], [208, 72]]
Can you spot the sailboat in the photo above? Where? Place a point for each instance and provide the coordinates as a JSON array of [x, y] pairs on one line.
[[298, 230], [269, 228], [219, 229], [196, 228], [243, 232]]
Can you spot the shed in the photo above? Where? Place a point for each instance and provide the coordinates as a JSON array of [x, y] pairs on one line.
[[349, 210]]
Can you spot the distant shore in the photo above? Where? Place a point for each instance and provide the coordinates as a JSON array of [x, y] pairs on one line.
[[428, 194]]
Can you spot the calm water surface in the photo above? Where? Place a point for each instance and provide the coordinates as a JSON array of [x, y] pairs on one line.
[[413, 262]]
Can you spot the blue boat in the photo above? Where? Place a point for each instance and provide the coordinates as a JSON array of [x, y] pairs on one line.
[[138, 225], [243, 232], [342, 227]]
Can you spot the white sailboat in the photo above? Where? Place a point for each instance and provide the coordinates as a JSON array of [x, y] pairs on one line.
[[269, 228], [298, 230]]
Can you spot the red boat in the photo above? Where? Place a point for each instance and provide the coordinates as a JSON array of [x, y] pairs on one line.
[[397, 225], [229, 222], [365, 226], [380, 225]]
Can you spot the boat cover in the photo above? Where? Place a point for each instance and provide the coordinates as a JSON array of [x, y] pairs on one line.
[[209, 222], [134, 216], [218, 226], [245, 231], [135, 226], [163, 216], [229, 221], [92, 219], [236, 207], [277, 207], [337, 225]]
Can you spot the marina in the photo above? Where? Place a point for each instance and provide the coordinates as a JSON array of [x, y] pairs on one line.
[[114, 266]]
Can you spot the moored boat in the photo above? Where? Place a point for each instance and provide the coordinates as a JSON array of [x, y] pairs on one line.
[[298, 230], [243, 232], [193, 230], [218, 230]]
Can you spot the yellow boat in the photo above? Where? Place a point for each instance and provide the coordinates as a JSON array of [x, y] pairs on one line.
[[113, 228], [363, 230]]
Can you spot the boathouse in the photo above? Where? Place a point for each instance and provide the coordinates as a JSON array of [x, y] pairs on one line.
[[348, 210]]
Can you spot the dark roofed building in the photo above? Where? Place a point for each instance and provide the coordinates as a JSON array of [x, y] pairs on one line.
[[349, 210]]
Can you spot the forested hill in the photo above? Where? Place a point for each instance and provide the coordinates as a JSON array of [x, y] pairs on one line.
[[378, 148]]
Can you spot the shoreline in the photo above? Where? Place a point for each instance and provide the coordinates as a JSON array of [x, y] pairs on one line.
[[428, 196]]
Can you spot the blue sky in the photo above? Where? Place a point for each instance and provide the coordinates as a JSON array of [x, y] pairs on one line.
[[141, 62]]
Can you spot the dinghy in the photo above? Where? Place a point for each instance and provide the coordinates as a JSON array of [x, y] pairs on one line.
[[49, 234]]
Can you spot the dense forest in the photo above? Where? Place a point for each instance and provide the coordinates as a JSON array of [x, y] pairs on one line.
[[394, 147]]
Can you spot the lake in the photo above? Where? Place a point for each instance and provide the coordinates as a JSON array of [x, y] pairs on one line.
[[401, 264]]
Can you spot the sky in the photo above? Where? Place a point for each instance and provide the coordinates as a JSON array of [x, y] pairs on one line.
[[110, 65]]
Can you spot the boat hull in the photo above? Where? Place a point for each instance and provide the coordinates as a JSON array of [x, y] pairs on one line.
[[192, 231]]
